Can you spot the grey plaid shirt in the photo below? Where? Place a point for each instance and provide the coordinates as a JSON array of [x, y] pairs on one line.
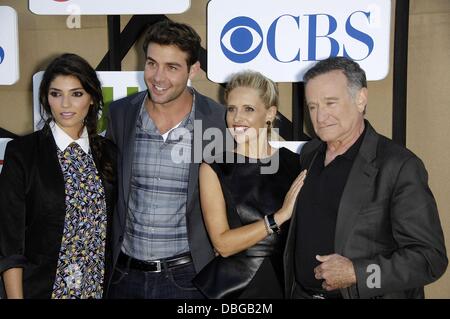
[[156, 219]]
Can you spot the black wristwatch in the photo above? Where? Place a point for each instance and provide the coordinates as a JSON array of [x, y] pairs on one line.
[[272, 224]]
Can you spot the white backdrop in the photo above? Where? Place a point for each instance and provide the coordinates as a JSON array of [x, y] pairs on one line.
[[283, 38], [9, 46], [86, 7]]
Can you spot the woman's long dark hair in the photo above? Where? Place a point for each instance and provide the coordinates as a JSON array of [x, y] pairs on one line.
[[69, 64]]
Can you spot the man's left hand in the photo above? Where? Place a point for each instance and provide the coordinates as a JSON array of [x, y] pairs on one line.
[[337, 272]]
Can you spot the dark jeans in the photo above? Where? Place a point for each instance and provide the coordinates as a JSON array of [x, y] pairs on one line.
[[172, 283]]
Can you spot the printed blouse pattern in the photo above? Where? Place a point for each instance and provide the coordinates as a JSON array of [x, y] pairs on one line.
[[80, 270]]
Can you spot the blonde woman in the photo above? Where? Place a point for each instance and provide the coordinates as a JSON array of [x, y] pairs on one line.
[[246, 207]]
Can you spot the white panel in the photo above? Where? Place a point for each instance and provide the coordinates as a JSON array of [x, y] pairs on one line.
[[3, 142], [9, 46], [293, 146], [283, 38], [91, 7]]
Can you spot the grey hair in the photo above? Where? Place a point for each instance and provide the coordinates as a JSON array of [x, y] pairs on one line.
[[356, 77]]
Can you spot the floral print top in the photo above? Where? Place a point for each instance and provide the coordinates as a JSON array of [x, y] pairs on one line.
[[80, 270]]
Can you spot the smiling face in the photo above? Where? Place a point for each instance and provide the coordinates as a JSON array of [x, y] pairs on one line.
[[247, 114], [167, 73], [336, 115], [69, 104]]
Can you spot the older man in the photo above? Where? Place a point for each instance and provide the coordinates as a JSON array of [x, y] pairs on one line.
[[366, 223]]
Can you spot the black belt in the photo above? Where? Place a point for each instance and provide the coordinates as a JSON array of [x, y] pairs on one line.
[[300, 292], [154, 265], [323, 294]]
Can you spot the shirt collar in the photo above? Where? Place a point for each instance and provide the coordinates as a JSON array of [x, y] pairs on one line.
[[146, 123], [63, 140], [354, 149]]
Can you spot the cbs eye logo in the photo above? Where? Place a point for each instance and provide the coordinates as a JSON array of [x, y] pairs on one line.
[[241, 39], [2, 55]]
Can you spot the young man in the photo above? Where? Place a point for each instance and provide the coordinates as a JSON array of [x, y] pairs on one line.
[[159, 240]]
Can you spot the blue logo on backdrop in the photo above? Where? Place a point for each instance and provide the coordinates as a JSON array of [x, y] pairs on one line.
[[241, 39], [2, 55]]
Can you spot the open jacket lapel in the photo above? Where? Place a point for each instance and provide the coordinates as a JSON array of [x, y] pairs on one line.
[[358, 189], [50, 171], [129, 137], [201, 113]]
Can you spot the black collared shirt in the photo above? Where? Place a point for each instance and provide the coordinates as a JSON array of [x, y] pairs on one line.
[[317, 210]]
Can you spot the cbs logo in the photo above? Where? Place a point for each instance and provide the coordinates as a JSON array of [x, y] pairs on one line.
[[2, 55], [242, 38]]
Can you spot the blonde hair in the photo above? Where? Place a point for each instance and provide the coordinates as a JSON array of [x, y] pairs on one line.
[[268, 90]]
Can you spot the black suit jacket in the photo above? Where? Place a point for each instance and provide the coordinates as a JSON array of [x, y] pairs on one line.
[[123, 115], [387, 217], [33, 209]]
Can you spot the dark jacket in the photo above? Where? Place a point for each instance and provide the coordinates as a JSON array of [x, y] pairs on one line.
[[387, 217], [33, 209]]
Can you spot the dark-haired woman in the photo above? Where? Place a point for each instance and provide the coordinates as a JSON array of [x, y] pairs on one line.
[[57, 192]]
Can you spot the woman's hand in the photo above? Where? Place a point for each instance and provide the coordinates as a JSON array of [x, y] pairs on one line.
[[285, 212]]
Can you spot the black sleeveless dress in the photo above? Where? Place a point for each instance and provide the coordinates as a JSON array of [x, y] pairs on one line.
[[252, 189]]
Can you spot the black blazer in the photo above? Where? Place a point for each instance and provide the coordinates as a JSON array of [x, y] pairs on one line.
[[387, 217], [32, 207], [123, 115]]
